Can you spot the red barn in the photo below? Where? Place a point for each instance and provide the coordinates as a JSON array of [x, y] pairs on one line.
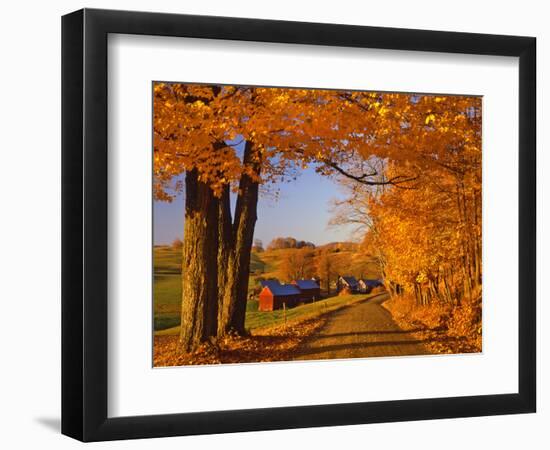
[[309, 290], [274, 294]]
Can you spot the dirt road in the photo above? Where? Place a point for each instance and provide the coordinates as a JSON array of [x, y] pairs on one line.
[[359, 331]]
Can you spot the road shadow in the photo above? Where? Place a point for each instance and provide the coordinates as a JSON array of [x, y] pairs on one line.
[[360, 346], [368, 333]]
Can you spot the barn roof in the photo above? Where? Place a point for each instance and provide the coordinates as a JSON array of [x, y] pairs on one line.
[[270, 284], [371, 283], [307, 284], [351, 281], [283, 289]]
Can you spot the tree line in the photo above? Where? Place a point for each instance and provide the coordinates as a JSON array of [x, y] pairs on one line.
[[288, 242], [427, 235]]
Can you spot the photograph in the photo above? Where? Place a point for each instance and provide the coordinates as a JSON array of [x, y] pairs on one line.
[[311, 224]]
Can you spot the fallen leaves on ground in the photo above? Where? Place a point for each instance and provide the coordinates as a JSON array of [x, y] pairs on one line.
[[273, 344], [441, 328]]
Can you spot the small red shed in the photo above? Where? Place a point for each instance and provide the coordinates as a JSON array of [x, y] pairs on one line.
[[274, 294]]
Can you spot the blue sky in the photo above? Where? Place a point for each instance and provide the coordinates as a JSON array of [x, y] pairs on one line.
[[301, 211]]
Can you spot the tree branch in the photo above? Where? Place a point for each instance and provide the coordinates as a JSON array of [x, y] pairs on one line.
[[396, 181]]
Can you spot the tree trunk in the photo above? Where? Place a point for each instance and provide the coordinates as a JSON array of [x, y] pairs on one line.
[[243, 234], [448, 295], [226, 255], [199, 312]]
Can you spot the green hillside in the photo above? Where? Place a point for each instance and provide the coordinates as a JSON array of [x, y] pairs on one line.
[[263, 265]]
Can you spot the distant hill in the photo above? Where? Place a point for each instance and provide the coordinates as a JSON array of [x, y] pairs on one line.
[[347, 257], [263, 265]]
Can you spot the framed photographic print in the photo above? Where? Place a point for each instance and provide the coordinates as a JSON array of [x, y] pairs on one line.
[[273, 224]]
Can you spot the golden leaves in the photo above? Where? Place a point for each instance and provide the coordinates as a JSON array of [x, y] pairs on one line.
[[272, 344], [195, 126]]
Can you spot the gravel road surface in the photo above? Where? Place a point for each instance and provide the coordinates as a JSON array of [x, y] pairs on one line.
[[358, 331]]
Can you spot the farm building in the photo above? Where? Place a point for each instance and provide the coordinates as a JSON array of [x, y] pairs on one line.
[[270, 282], [346, 282], [309, 289], [366, 285], [275, 294]]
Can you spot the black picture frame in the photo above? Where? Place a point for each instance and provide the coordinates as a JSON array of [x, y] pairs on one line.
[[84, 224]]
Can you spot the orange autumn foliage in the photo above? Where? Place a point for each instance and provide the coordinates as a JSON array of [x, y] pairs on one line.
[[426, 233], [411, 164]]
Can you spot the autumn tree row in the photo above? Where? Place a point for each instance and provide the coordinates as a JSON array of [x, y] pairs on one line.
[[427, 234]]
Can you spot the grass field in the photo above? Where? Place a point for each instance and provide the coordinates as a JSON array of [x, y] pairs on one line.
[[256, 320], [262, 319], [167, 288]]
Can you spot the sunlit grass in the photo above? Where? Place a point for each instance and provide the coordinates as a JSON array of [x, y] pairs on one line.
[[256, 320], [167, 289]]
